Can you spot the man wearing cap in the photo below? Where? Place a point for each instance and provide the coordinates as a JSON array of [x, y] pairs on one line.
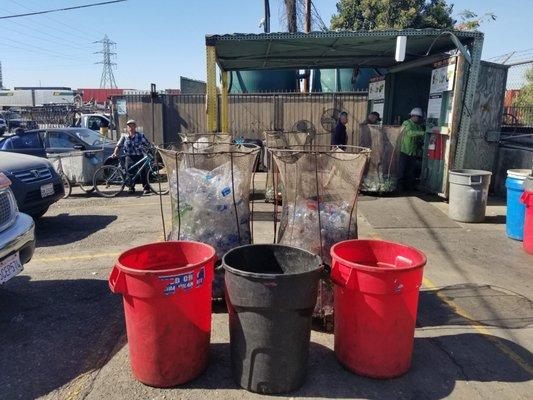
[[133, 145], [339, 137], [410, 146]]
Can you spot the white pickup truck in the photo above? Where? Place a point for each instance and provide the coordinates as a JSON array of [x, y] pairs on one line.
[[94, 121]]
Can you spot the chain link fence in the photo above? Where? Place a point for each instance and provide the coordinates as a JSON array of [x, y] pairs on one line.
[[518, 104]]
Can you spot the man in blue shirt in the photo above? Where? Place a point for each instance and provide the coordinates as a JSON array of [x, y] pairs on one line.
[[339, 137], [133, 145]]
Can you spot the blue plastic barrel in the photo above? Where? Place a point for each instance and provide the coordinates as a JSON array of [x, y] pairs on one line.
[[515, 209]]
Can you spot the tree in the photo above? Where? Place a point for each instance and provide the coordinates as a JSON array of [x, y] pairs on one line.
[[471, 21], [392, 14], [524, 99]]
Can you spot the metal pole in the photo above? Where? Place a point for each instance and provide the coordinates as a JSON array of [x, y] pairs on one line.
[[153, 94], [267, 16], [224, 103], [307, 29], [211, 96]]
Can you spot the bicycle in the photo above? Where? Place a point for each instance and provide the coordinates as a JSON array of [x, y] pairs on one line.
[[110, 180]]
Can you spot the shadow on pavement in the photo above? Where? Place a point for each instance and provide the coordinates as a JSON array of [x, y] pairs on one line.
[[66, 228], [479, 305], [495, 219], [433, 372], [53, 331]]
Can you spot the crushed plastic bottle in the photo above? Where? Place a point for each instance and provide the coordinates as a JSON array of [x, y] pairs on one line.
[[302, 227]]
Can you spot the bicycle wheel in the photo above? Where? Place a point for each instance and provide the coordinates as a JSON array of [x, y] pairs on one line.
[[108, 181], [86, 187], [156, 176], [66, 185]]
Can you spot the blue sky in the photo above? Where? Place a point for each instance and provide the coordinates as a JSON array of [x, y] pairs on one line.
[[159, 40]]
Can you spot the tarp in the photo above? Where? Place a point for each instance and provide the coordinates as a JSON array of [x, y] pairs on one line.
[[329, 49]]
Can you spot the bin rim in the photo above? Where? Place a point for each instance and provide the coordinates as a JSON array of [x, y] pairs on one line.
[[519, 174], [141, 272], [320, 149], [252, 148], [265, 275], [470, 172], [367, 268]]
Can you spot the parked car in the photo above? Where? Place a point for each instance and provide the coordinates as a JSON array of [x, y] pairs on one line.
[[34, 182], [17, 234], [3, 126], [56, 140]]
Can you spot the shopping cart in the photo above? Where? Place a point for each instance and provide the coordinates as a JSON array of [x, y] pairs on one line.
[[77, 168]]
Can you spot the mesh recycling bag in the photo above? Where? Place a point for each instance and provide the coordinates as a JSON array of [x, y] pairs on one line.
[[210, 188], [382, 172], [320, 204], [281, 140]]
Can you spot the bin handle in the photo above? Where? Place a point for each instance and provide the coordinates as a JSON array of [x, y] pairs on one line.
[[336, 277], [117, 281], [475, 179]]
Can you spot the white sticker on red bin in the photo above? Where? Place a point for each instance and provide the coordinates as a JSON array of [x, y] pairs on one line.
[[184, 281]]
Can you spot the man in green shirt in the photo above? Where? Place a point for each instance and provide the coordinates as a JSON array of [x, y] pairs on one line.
[[410, 146]]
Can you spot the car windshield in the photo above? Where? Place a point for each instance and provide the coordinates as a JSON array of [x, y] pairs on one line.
[[90, 137]]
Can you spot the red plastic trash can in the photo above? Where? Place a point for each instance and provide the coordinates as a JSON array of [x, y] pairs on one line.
[[527, 199], [376, 286], [167, 304]]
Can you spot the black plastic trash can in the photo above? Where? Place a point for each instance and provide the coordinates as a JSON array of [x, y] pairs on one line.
[[271, 292]]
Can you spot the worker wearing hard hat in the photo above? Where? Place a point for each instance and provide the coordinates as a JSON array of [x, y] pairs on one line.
[[410, 148]]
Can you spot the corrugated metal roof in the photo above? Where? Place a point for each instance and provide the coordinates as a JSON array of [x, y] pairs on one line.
[[329, 49]]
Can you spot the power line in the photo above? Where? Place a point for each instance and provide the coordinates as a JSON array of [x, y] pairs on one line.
[[108, 79], [62, 9], [76, 31], [318, 18], [33, 48], [59, 40]]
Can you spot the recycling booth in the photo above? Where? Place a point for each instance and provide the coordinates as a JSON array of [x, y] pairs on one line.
[[441, 72]]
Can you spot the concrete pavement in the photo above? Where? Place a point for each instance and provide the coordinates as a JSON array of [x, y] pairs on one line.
[[63, 334]]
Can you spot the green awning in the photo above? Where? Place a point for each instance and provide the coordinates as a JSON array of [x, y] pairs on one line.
[[329, 49]]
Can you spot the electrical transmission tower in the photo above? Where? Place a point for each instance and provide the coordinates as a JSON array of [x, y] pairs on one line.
[[108, 79]]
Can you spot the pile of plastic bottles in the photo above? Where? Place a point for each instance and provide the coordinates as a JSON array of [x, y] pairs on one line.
[[206, 210], [379, 184], [301, 227]]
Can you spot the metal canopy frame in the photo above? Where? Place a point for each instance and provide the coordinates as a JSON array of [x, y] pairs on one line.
[[332, 50]]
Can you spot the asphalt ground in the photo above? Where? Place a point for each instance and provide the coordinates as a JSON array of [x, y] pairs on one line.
[[63, 333]]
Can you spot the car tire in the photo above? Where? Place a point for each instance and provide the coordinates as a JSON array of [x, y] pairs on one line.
[[39, 214]]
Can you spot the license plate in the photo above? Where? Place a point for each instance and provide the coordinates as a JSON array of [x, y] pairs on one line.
[[47, 190], [9, 267]]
